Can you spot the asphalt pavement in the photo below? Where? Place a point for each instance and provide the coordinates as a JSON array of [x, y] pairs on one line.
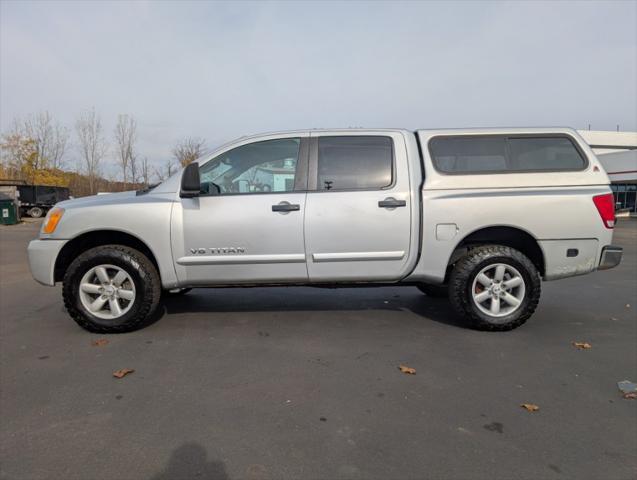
[[274, 383]]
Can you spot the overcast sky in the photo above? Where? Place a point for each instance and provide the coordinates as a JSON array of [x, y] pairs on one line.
[[222, 70]]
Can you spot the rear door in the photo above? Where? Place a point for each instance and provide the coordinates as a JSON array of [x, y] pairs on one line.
[[358, 208]]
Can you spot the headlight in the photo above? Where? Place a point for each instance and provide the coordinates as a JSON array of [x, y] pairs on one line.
[[52, 219]]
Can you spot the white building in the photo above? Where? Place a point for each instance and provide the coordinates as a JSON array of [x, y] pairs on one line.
[[618, 153]]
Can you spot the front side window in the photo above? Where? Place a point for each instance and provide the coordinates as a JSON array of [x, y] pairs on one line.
[[354, 162], [505, 154], [260, 167]]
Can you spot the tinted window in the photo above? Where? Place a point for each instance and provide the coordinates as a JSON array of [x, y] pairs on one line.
[[259, 167], [354, 162], [469, 154], [550, 153], [504, 154]]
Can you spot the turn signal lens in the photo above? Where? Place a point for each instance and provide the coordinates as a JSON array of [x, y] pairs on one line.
[[52, 219], [606, 207]]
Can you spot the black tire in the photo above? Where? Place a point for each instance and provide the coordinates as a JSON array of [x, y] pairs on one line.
[[177, 293], [35, 212], [468, 267], [434, 291], [141, 270]]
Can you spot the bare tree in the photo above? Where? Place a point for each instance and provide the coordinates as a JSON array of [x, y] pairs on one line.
[[189, 149], [50, 139], [38, 127], [125, 137], [145, 171], [92, 145], [166, 171], [133, 168], [58, 146]]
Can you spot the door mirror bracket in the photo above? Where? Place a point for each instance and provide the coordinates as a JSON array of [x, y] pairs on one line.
[[190, 183]]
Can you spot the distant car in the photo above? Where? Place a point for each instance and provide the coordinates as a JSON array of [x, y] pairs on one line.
[[37, 200], [480, 215]]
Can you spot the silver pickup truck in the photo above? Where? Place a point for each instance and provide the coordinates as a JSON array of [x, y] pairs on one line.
[[480, 215]]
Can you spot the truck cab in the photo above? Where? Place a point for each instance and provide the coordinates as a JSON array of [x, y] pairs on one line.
[[346, 200]]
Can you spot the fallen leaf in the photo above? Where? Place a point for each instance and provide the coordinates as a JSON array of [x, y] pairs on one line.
[[530, 407], [407, 370], [99, 343], [582, 345], [123, 372]]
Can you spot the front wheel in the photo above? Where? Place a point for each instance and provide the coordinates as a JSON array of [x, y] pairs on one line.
[[496, 287], [111, 289]]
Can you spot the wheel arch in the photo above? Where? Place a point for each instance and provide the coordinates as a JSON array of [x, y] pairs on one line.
[[96, 238], [508, 235]]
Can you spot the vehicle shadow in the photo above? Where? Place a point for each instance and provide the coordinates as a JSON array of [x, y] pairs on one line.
[[309, 299], [189, 461]]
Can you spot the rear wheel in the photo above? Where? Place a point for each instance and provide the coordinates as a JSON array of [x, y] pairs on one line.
[[111, 289], [496, 287], [35, 212]]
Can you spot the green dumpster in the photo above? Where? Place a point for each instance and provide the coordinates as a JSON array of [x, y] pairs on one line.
[[8, 212]]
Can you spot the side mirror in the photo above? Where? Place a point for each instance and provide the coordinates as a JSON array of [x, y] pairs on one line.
[[190, 184]]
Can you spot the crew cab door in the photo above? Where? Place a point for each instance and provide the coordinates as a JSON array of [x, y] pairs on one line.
[[358, 222], [247, 224]]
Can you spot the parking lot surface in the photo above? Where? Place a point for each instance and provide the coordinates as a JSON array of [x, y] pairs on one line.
[[304, 383]]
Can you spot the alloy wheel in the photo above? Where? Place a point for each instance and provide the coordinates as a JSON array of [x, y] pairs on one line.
[[498, 290], [107, 291]]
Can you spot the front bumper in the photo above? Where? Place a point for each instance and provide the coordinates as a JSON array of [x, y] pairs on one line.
[[42, 256], [611, 256]]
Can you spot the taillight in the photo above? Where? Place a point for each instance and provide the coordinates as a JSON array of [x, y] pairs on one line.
[[606, 207]]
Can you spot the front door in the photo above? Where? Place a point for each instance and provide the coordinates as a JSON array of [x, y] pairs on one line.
[[358, 215], [247, 225]]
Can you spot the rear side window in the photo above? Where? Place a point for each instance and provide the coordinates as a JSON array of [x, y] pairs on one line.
[[352, 162], [551, 153], [469, 154], [501, 154]]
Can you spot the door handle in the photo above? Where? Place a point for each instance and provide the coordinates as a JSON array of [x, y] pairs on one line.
[[286, 207], [391, 203]]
